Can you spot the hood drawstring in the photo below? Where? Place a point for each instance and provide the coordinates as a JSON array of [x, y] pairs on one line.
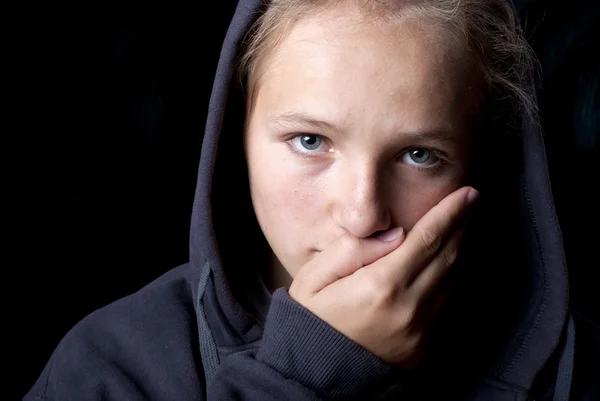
[[208, 347], [564, 376]]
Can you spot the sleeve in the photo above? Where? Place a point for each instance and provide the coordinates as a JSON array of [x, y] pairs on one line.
[[300, 358]]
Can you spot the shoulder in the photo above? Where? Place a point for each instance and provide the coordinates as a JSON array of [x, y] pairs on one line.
[[143, 346]]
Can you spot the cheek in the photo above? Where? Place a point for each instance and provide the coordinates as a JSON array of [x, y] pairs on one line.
[[280, 192], [287, 203], [285, 198]]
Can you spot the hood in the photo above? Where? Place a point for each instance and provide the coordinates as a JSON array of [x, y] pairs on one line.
[[511, 301]]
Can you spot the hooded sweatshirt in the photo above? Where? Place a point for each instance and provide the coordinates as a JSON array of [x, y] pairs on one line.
[[210, 329]]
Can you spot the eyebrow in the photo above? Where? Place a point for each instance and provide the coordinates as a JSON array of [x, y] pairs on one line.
[[295, 119]]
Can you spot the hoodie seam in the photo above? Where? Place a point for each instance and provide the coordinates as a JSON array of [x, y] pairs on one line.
[[544, 301]]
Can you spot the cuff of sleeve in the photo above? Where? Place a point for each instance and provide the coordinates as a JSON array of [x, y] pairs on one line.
[[303, 347]]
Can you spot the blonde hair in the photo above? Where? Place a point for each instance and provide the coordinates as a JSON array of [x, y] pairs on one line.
[[490, 28]]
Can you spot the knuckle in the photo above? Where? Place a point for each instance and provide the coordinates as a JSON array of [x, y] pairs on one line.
[[378, 292], [296, 290], [406, 317], [449, 256], [430, 241], [293, 293]]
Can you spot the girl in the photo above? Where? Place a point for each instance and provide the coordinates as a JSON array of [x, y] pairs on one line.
[[339, 178]]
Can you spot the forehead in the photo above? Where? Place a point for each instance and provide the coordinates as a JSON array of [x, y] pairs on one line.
[[345, 34], [335, 58]]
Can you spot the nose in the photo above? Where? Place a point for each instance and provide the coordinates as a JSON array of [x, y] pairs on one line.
[[360, 206]]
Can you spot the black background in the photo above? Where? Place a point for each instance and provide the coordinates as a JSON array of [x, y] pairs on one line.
[[113, 132]]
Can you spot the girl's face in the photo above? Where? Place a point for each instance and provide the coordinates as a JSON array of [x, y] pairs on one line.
[[355, 128]]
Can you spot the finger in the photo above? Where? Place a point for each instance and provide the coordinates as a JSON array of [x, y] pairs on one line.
[[343, 257], [434, 272], [427, 237]]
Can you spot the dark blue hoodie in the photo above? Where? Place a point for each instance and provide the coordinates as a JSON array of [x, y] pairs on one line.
[[210, 330]]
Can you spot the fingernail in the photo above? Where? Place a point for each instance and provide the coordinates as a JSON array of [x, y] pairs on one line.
[[472, 196], [391, 235]]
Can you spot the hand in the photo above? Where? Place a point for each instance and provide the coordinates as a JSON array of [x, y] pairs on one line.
[[384, 295]]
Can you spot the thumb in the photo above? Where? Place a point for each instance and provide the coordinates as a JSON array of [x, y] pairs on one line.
[[342, 258]]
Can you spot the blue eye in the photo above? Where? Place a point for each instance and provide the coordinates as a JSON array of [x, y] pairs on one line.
[[310, 142], [422, 158], [419, 156]]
